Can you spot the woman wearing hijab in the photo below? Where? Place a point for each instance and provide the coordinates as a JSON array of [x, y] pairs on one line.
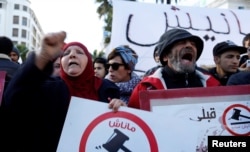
[[36, 104], [84, 84]]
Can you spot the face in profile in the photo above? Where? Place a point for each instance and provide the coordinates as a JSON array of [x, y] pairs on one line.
[[56, 67], [100, 70], [156, 56], [14, 57], [247, 43], [117, 70], [74, 61]]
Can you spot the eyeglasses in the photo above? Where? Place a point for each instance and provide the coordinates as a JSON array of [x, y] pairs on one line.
[[115, 66]]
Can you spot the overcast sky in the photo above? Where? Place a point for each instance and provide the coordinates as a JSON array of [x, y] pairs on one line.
[[77, 17]]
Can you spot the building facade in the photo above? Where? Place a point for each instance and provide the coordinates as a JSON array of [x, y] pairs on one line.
[[18, 22]]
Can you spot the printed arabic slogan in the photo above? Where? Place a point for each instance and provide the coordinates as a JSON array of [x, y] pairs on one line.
[[2, 81], [91, 127], [216, 111]]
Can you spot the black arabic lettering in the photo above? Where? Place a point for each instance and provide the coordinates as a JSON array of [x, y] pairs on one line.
[[208, 115], [130, 40], [173, 8], [198, 29], [212, 114], [238, 22]]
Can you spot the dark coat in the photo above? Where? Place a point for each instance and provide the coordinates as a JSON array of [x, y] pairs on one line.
[[223, 80], [241, 78], [35, 108], [10, 68]]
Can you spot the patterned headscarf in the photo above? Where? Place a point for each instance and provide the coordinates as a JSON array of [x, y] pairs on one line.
[[128, 56]]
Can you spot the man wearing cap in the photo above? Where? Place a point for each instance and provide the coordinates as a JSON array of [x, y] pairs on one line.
[[226, 57], [6, 64], [9, 67], [179, 50], [15, 55]]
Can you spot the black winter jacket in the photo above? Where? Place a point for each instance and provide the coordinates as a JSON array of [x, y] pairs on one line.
[[35, 108]]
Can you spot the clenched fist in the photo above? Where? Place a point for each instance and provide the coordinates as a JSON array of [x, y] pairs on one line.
[[51, 47]]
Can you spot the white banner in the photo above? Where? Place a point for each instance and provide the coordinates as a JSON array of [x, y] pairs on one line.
[[217, 111], [140, 26], [228, 118], [91, 127]]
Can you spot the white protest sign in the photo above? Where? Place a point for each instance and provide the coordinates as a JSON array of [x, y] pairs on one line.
[[91, 127], [140, 26], [216, 111], [217, 119]]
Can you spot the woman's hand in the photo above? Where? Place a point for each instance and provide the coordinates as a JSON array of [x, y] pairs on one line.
[[115, 104], [51, 47]]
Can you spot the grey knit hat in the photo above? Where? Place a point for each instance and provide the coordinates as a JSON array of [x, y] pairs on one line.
[[170, 37], [15, 49]]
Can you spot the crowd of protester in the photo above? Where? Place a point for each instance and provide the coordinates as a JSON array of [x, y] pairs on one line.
[[37, 92]]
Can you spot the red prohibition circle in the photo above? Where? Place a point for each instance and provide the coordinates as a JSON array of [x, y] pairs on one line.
[[146, 129], [224, 119]]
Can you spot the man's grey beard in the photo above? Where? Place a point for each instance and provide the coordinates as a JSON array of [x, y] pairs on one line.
[[178, 67]]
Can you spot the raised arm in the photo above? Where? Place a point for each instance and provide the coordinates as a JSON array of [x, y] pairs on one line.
[[51, 47]]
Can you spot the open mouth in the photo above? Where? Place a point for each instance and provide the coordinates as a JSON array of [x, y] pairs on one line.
[[73, 63], [187, 57]]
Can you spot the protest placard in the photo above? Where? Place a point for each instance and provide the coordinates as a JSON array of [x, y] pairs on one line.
[[217, 111], [90, 126]]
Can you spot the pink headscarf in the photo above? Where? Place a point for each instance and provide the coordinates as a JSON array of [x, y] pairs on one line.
[[85, 85]]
